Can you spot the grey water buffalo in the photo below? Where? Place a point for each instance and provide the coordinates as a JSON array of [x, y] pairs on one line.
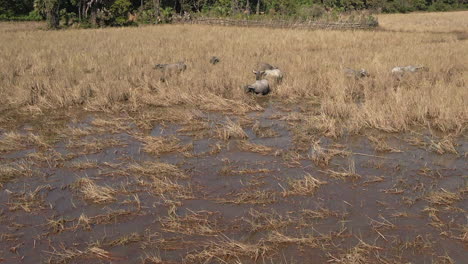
[[357, 74], [172, 68], [270, 72], [410, 68], [265, 66], [260, 86], [214, 60], [276, 75]]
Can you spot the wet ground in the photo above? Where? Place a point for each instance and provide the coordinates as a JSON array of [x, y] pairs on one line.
[[96, 188]]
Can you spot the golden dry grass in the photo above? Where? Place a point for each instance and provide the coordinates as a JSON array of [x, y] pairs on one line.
[[157, 169], [380, 145], [321, 156], [112, 69], [86, 222], [258, 221], [66, 255], [257, 148], [159, 178], [160, 145], [95, 193], [346, 174], [6, 27], [230, 129], [83, 165], [251, 197], [9, 172], [307, 185], [279, 238], [434, 218], [228, 249], [320, 213], [444, 145], [443, 197], [125, 240], [198, 223], [263, 132], [29, 201], [94, 145], [11, 141], [360, 254], [424, 22]]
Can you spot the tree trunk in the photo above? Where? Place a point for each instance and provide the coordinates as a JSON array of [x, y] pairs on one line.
[[84, 12], [93, 16], [257, 11], [52, 19], [156, 6], [234, 6], [52, 13], [79, 12], [247, 7], [181, 11]]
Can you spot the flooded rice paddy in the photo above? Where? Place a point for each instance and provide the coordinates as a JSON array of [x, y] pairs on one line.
[[184, 186]]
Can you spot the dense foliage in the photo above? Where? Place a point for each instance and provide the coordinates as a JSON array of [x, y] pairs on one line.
[[127, 12]]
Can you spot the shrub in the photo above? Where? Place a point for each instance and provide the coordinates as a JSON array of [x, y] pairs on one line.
[[372, 20], [119, 12], [439, 6], [311, 12], [146, 17], [33, 16], [167, 14]]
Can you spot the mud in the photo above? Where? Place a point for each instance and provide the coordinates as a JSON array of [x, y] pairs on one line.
[[385, 206]]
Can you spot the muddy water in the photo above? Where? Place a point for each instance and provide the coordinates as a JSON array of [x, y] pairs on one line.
[[390, 215]]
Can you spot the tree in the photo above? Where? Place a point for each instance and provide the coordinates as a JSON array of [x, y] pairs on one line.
[[16, 7], [52, 13], [51, 10], [247, 7], [92, 7], [352, 4], [234, 6], [79, 5], [114, 12], [119, 10], [156, 6]]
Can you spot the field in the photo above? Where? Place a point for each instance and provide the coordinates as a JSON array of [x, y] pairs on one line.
[[103, 159], [426, 22]]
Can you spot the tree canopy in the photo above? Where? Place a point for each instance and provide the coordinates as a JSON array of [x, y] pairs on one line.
[[116, 12]]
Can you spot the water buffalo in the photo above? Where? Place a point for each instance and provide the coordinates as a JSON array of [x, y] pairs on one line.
[[260, 86], [214, 60], [172, 68], [274, 74], [357, 74], [401, 70]]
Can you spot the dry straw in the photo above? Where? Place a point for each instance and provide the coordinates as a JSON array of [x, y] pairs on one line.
[[112, 69]]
